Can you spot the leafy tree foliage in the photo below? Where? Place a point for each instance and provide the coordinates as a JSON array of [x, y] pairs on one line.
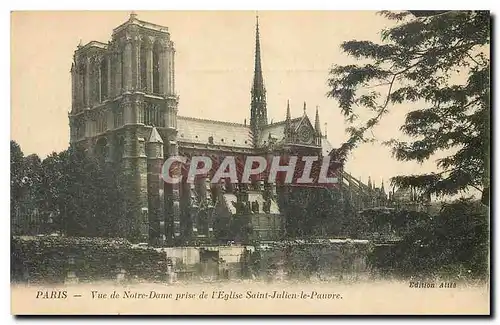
[[16, 176], [438, 65], [73, 191], [93, 198], [55, 182], [454, 243], [25, 186], [316, 212]]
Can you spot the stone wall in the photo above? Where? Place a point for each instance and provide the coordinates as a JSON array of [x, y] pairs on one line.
[[300, 259], [51, 259]]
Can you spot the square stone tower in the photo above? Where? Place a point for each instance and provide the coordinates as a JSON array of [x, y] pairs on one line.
[[124, 110]]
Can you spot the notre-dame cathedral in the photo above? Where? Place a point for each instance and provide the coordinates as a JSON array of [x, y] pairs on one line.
[[125, 111]]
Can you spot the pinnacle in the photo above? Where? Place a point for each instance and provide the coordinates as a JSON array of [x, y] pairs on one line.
[[155, 137]]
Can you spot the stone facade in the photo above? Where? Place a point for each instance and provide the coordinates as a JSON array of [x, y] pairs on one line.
[[123, 94], [125, 111]]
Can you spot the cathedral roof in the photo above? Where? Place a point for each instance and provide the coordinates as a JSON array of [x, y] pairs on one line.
[[195, 130], [92, 44], [276, 131], [144, 24]]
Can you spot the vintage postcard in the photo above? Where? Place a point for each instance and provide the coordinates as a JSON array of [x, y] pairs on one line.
[[244, 162]]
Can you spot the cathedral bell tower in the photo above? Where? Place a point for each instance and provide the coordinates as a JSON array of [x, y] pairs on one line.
[[258, 110], [123, 93]]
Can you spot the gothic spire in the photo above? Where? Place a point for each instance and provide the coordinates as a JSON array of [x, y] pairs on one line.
[[317, 125], [258, 80], [288, 122], [258, 112], [288, 115]]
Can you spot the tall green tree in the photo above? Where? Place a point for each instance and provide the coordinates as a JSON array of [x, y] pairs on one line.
[[74, 192], [16, 168], [86, 204], [94, 196], [436, 64], [54, 185], [32, 200], [16, 177], [453, 243]]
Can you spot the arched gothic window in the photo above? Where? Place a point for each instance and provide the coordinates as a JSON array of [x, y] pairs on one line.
[[144, 67], [153, 116], [140, 114], [101, 122], [95, 86], [84, 83], [120, 147], [156, 68], [104, 79], [122, 65], [118, 117], [101, 148]]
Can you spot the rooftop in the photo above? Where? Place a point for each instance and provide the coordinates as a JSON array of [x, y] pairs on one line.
[[92, 44], [134, 21], [196, 130]]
